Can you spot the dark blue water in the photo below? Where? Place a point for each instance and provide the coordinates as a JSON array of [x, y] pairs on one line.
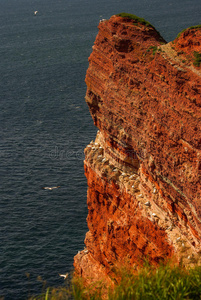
[[45, 125]]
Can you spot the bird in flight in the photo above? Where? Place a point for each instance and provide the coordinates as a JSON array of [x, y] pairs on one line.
[[51, 188], [64, 275]]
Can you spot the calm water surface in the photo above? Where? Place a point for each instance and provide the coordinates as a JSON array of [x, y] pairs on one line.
[[45, 125]]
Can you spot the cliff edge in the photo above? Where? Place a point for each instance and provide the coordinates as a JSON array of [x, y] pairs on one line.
[[144, 168]]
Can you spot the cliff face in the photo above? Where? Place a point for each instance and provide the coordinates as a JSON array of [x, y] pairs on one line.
[[144, 168]]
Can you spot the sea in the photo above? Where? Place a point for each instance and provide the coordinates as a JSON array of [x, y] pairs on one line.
[[45, 125]]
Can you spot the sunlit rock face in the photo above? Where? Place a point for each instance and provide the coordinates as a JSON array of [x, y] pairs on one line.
[[144, 168]]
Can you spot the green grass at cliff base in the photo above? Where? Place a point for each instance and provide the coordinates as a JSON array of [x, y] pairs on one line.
[[165, 282]]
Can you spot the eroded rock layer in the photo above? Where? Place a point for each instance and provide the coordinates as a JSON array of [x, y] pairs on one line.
[[144, 168]]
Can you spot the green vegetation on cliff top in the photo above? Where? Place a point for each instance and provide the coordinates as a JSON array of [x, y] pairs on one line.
[[192, 27], [138, 20], [135, 18], [146, 23]]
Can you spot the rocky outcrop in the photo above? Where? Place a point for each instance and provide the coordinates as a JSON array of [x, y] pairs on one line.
[[144, 168]]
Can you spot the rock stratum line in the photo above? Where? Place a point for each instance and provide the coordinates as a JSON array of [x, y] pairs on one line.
[[144, 168]]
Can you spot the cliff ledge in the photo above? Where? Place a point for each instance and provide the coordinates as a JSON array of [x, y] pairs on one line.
[[144, 168]]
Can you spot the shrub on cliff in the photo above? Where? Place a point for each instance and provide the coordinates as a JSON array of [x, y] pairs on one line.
[[197, 60]]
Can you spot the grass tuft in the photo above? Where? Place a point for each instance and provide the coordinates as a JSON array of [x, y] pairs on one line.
[[154, 49]]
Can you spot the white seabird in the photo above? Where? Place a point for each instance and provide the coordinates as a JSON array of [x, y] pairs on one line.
[[51, 188], [35, 12], [64, 275]]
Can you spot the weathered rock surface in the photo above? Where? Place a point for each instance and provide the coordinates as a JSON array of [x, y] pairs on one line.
[[144, 168]]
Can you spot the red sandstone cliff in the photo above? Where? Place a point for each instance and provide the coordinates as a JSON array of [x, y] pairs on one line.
[[144, 168]]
